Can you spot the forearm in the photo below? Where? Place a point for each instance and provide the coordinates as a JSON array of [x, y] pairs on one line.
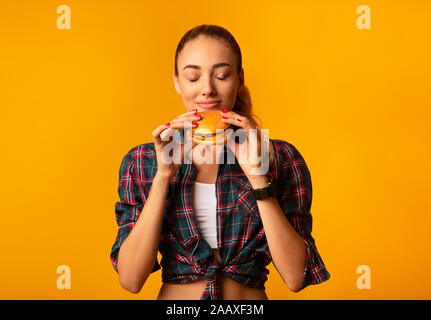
[[138, 253], [286, 246]]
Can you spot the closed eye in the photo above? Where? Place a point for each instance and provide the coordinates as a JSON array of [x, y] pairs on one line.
[[224, 78]]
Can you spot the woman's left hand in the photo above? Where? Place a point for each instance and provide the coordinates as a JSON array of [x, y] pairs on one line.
[[248, 152]]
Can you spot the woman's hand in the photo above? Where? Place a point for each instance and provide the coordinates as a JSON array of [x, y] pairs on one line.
[[168, 168], [249, 151]]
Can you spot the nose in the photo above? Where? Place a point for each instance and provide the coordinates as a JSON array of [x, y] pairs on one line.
[[208, 88]]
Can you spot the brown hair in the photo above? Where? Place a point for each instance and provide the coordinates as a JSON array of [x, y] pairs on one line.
[[243, 105]]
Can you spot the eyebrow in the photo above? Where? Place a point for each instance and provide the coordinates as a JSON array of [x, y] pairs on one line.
[[217, 65]]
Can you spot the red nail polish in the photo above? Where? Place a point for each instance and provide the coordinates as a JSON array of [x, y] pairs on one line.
[[225, 110], [224, 117], [195, 110], [239, 120], [194, 123], [167, 124]]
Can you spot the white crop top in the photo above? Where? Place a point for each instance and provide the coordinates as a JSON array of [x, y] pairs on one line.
[[204, 205]]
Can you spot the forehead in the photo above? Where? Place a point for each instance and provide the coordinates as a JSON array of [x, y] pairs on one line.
[[205, 52]]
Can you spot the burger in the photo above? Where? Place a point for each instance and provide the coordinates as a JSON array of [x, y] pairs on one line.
[[206, 130]]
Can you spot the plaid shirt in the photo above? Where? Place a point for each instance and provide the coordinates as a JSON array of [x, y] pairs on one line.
[[241, 241]]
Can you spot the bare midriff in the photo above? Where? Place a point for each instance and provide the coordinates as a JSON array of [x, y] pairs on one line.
[[230, 290]]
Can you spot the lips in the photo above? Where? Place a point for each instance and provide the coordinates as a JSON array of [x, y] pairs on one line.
[[209, 105]]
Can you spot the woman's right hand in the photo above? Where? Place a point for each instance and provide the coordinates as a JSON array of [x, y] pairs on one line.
[[169, 169]]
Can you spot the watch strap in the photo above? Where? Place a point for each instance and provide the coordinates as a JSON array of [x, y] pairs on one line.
[[266, 192]]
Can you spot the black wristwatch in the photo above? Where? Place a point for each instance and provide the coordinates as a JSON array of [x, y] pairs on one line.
[[268, 191]]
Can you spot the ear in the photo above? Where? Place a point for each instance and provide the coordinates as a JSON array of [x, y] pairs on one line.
[[241, 80], [176, 84]]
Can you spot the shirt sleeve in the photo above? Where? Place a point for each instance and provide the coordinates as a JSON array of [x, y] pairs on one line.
[[127, 210], [295, 197]]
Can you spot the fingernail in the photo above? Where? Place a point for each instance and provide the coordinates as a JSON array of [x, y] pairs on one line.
[[225, 110], [195, 110], [194, 123], [167, 124], [239, 120], [224, 117]]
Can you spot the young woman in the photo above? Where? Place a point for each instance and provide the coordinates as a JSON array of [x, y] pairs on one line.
[[215, 232]]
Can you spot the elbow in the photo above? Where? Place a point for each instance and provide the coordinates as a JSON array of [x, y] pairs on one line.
[[130, 286], [294, 285], [134, 290], [131, 283], [129, 279], [295, 288]]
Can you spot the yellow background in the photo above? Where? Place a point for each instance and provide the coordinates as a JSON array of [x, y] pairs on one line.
[[356, 104]]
